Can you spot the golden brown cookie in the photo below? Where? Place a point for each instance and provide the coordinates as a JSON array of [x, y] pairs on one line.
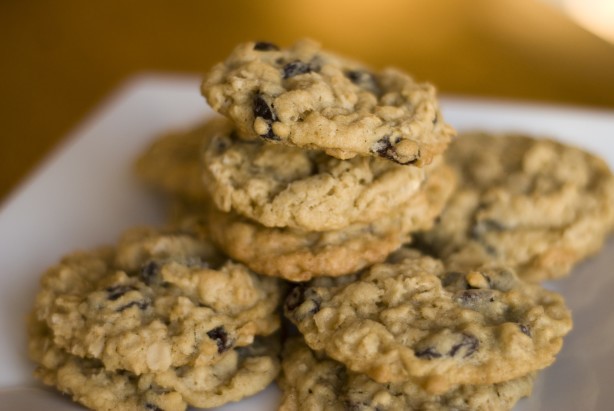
[[242, 372], [161, 299], [299, 255], [310, 98], [537, 205], [411, 320], [284, 186], [171, 163], [313, 382]]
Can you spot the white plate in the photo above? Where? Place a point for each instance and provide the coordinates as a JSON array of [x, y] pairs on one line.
[[84, 195]]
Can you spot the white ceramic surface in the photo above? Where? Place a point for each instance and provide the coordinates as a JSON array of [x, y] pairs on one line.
[[84, 195]]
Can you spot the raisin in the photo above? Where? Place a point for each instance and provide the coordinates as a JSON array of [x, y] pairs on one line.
[[262, 108], [525, 329], [426, 248], [428, 353], [480, 228], [149, 272], [142, 305], [316, 306], [265, 46], [117, 291], [454, 280], [365, 80], [350, 405], [295, 68], [490, 250], [303, 301], [354, 76], [384, 148], [270, 135], [221, 338], [468, 342], [152, 407], [221, 144], [264, 111], [296, 297], [502, 279], [475, 297]]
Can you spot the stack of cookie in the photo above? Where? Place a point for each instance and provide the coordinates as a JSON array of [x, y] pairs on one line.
[[412, 267], [159, 322], [410, 334], [466, 327], [320, 153], [323, 167]]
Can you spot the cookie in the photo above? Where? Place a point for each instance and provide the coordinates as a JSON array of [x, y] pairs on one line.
[[159, 300], [171, 163], [298, 255], [307, 97], [533, 204], [282, 186], [411, 320], [243, 372], [313, 382]]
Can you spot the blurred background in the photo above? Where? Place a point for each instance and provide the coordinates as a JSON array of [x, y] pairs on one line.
[[60, 58]]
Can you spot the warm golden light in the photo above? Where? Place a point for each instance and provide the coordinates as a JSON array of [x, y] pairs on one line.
[[594, 15]]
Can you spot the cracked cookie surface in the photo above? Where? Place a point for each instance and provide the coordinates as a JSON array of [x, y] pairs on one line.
[[411, 320], [534, 204], [311, 381], [159, 300], [298, 255], [282, 186], [311, 98], [242, 372]]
